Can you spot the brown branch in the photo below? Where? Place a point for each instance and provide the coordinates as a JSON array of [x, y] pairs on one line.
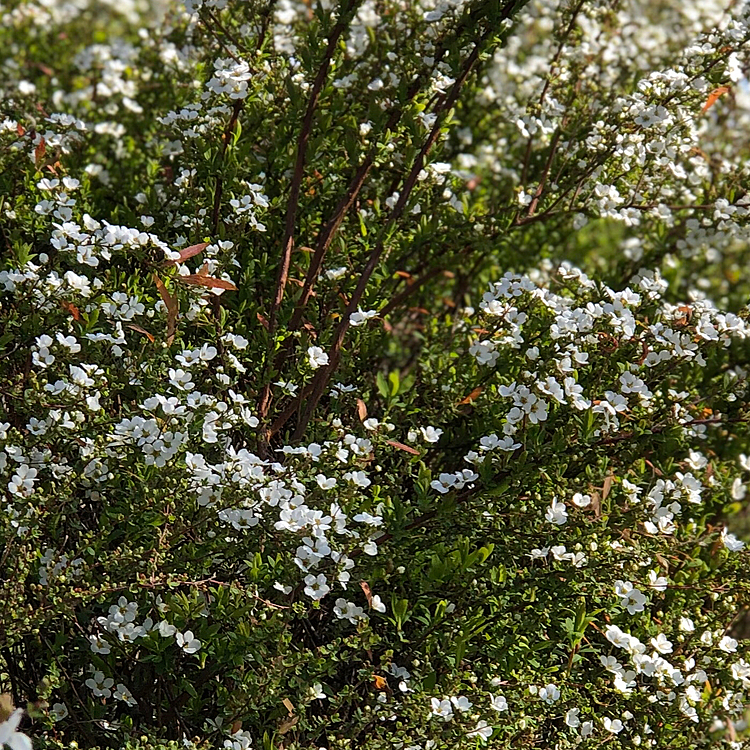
[[325, 373], [545, 172], [299, 166], [331, 227], [296, 187]]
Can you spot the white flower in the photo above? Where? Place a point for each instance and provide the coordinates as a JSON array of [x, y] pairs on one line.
[[442, 709], [317, 357], [187, 642], [482, 731], [360, 317], [631, 598], [731, 542], [612, 725], [59, 711], [728, 644], [571, 718], [9, 734], [556, 513], [100, 685], [165, 629], [325, 483], [316, 587], [316, 691], [549, 693], [582, 501], [99, 645], [123, 694], [335, 273], [738, 489], [661, 644], [345, 610], [498, 703], [656, 581], [462, 703], [431, 434], [239, 741]]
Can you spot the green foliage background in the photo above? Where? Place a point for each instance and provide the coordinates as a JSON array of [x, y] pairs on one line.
[[426, 159]]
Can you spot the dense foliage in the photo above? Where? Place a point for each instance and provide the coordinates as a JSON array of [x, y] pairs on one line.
[[374, 374]]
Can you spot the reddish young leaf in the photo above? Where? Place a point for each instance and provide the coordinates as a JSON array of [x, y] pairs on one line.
[[189, 252], [143, 331], [403, 447], [379, 682], [40, 151], [72, 309], [713, 97], [45, 69], [262, 320], [472, 396], [198, 279]]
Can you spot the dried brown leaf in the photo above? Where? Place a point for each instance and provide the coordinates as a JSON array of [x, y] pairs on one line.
[[198, 279], [403, 447], [288, 724], [189, 252], [71, 308], [472, 396], [6, 706], [713, 97], [367, 591], [40, 151], [361, 410], [143, 331]]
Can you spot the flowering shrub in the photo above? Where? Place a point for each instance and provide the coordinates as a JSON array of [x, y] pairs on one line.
[[374, 374]]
